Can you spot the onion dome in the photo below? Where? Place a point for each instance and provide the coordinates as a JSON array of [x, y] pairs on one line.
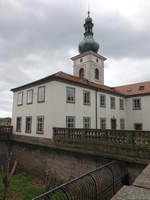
[[88, 43]]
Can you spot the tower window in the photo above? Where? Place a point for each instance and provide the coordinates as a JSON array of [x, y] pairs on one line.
[[81, 60], [96, 74], [97, 60], [81, 73]]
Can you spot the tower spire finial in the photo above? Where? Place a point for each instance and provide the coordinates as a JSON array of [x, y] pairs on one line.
[[88, 8], [88, 43]]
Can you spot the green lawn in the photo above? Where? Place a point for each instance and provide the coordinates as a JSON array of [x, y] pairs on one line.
[[23, 187]]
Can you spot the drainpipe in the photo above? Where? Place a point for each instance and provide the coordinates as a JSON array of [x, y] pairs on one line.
[[96, 109]]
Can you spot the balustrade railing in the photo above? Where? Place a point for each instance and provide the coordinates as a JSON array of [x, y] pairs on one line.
[[99, 184], [6, 130], [98, 136]]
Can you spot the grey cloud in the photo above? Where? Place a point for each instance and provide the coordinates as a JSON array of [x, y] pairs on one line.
[[36, 37]]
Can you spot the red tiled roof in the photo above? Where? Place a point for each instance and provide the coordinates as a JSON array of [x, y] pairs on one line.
[[76, 79], [69, 78], [126, 90], [134, 89]]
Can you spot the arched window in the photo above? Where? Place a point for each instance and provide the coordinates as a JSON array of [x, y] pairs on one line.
[[96, 74], [81, 73]]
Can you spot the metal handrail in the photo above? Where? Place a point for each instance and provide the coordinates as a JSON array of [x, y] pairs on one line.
[[92, 173]]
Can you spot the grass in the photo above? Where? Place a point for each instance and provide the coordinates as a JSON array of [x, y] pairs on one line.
[[22, 187]]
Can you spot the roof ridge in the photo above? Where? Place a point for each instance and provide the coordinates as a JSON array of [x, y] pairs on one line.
[[132, 84]]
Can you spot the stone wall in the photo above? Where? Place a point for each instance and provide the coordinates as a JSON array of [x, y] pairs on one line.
[[35, 157], [3, 152]]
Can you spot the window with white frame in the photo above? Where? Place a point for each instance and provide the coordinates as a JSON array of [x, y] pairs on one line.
[[112, 103], [86, 97], [121, 104], [28, 124], [29, 96], [86, 122], [103, 123], [40, 125], [102, 100], [122, 124], [136, 104], [70, 95], [70, 122], [41, 94], [20, 99], [18, 124]]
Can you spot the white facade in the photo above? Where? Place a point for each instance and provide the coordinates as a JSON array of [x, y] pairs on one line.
[[55, 109], [38, 116]]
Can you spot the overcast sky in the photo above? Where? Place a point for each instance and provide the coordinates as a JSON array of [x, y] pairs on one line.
[[38, 37]]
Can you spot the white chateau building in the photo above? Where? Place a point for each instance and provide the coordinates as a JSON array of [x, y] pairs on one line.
[[80, 100]]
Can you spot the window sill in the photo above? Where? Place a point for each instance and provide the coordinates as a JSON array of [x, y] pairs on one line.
[[40, 133], [41, 102], [29, 103], [101, 106], [27, 132], [72, 102], [86, 104]]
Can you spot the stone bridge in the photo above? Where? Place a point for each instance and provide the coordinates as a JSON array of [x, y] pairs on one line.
[[73, 152], [130, 146]]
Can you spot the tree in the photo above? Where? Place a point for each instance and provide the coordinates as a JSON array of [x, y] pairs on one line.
[[49, 180], [7, 172]]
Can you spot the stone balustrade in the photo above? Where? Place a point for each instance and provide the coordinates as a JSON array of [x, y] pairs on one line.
[[5, 131], [99, 136]]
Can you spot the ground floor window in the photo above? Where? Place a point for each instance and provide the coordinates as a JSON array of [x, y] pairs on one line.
[[40, 125], [113, 123], [18, 124], [28, 124], [70, 122], [103, 123], [138, 126], [86, 122], [122, 124]]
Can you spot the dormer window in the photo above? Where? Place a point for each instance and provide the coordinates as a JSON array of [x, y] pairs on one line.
[[96, 74], [129, 90], [141, 87], [81, 73]]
